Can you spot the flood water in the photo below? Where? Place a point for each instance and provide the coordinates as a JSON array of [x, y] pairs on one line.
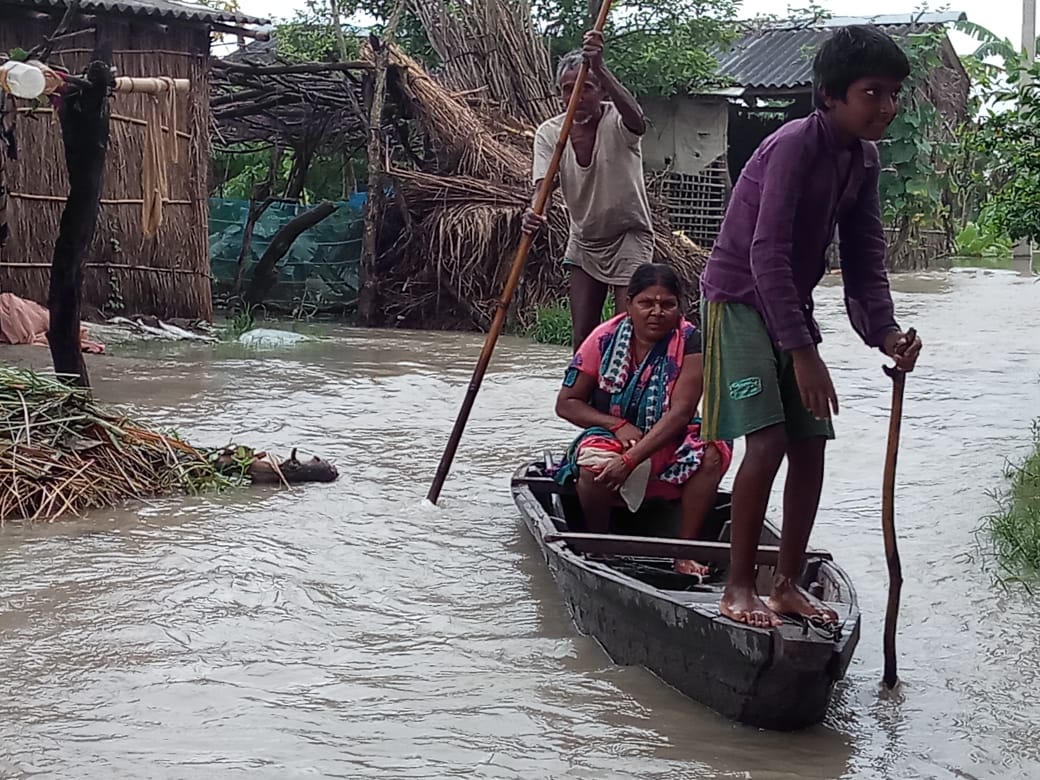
[[347, 631]]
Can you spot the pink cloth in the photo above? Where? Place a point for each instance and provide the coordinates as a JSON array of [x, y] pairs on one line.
[[26, 322]]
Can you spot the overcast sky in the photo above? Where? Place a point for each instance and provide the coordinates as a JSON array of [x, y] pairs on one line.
[[1004, 17]]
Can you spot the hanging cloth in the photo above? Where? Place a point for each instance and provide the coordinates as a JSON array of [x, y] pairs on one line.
[[159, 150]]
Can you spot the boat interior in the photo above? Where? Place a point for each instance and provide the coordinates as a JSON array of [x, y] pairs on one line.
[[644, 545]]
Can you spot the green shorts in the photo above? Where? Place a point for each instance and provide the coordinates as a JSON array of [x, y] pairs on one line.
[[749, 384]]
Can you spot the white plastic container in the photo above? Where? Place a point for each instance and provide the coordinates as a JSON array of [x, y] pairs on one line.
[[23, 81]]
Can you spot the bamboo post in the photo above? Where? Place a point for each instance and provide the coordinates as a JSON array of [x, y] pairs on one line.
[[375, 201], [514, 278], [150, 86], [141, 85], [888, 520]]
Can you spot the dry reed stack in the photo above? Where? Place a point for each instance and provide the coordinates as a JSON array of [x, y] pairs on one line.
[[61, 454], [490, 52]]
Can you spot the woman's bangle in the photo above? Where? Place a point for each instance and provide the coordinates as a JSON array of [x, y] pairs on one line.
[[618, 426], [628, 461]]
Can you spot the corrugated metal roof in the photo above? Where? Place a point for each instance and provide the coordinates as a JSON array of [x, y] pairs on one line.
[[161, 9], [780, 56], [896, 20]]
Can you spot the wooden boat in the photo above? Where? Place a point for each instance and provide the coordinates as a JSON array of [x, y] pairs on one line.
[[621, 589]]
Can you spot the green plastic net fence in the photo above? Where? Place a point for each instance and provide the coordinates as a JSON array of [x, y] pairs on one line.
[[318, 273]]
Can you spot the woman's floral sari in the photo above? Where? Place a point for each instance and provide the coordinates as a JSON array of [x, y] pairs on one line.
[[641, 395]]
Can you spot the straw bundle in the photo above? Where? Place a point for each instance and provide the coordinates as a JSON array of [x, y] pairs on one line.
[[492, 51], [60, 453], [463, 139], [459, 241]]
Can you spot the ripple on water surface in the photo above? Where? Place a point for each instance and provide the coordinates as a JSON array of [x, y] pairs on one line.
[[350, 631]]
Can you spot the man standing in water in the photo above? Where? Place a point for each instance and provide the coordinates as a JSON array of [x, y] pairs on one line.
[[601, 176]]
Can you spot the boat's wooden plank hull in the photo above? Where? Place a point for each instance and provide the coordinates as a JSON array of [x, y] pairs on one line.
[[776, 679]]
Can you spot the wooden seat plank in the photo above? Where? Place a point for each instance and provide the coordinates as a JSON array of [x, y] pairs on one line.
[[658, 547]]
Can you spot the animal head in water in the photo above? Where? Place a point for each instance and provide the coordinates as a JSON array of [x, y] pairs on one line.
[[313, 470]]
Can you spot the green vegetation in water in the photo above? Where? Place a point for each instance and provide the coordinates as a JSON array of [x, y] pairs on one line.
[[553, 324], [242, 322], [1014, 529]]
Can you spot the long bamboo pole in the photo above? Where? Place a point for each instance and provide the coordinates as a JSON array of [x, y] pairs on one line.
[[888, 521], [514, 278]]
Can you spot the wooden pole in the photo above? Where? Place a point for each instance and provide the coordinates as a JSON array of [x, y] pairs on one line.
[[141, 85], [374, 203], [341, 39], [84, 118], [888, 520], [514, 278]]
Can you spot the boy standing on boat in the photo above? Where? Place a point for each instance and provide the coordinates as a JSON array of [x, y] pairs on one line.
[[763, 376], [601, 176]]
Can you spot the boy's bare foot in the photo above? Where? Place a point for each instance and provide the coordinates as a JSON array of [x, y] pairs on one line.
[[685, 566], [789, 599], [743, 605]]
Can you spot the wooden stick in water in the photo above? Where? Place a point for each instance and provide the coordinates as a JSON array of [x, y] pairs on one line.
[[888, 520], [514, 278]]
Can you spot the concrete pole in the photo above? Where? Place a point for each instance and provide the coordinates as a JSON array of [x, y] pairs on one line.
[[1029, 30], [1023, 249]]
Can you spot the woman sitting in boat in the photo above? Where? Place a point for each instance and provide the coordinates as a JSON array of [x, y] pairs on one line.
[[634, 386]]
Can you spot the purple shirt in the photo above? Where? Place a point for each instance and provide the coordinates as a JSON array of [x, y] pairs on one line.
[[771, 251]]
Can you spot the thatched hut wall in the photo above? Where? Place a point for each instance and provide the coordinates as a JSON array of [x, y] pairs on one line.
[[167, 275]]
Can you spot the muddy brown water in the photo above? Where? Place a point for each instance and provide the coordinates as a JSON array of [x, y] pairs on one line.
[[348, 631]]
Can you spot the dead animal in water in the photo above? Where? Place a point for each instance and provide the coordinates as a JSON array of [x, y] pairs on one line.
[[294, 471], [63, 453], [262, 471]]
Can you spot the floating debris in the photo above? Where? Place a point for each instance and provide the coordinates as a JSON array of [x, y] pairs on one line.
[[269, 337]]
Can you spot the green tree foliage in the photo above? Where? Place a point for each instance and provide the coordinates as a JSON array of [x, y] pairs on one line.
[[310, 34], [917, 149], [993, 58], [654, 47], [235, 171], [1009, 140], [1001, 146]]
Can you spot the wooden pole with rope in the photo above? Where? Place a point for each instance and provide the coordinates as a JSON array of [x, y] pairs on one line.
[[888, 519], [513, 279]]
